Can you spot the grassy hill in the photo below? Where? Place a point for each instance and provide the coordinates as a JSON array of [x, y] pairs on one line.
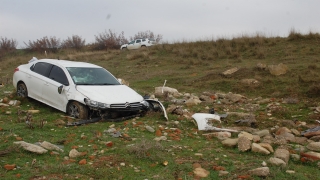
[[190, 67]]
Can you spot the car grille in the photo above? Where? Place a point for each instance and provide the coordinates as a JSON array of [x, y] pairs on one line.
[[126, 105]]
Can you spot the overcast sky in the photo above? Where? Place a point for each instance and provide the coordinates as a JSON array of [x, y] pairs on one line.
[[176, 20]]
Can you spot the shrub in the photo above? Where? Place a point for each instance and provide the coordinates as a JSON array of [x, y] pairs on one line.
[[7, 45], [147, 34], [74, 42], [109, 40], [51, 44]]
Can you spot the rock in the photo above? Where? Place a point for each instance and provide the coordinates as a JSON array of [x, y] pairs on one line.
[[262, 171], [277, 162], [282, 130], [150, 129], [314, 146], [311, 134], [50, 146], [192, 102], [313, 156], [295, 132], [244, 144], [259, 149], [31, 147], [245, 134], [261, 66], [267, 146], [234, 97], [256, 138], [162, 91], [9, 167], [301, 140], [315, 138], [223, 173], [200, 172], [230, 71], [82, 162], [74, 153], [158, 133], [278, 69], [263, 101], [262, 133], [230, 142], [161, 138], [287, 136], [249, 81], [295, 157], [290, 171], [282, 154], [14, 103]]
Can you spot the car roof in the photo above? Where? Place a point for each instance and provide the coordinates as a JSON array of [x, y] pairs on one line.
[[66, 63]]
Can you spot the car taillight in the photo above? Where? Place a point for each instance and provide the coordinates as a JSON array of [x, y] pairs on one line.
[[15, 70]]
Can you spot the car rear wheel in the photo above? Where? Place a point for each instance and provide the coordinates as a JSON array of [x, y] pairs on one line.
[[77, 110], [22, 90], [123, 49]]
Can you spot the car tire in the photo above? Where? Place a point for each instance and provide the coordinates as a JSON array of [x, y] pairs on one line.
[[22, 90], [77, 110], [123, 49]]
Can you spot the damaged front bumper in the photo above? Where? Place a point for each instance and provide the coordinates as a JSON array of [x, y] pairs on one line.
[[120, 112]]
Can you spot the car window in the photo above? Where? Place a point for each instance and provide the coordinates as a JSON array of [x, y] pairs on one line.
[[139, 40], [92, 76], [131, 42], [57, 74], [42, 68]]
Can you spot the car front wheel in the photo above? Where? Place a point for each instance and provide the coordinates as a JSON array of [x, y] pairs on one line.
[[22, 90], [77, 110]]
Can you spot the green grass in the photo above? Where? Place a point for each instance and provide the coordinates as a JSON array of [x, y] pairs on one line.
[[191, 67]]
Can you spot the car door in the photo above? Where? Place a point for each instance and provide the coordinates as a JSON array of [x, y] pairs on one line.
[[36, 79], [137, 44], [130, 45], [50, 94]]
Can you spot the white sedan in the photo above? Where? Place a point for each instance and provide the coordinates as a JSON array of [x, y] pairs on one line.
[[80, 89]]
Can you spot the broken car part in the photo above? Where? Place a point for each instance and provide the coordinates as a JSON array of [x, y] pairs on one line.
[[203, 122]]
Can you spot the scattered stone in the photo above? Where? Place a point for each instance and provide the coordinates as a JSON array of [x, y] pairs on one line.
[[295, 157], [9, 167], [150, 129], [262, 171], [223, 173], [259, 149], [244, 144], [200, 172], [282, 154], [312, 156], [264, 164], [50, 146], [31, 147], [278, 69], [82, 162], [249, 81], [161, 138], [74, 153], [230, 71], [262, 133], [162, 91], [267, 146], [277, 162], [314, 146], [315, 138], [256, 138], [290, 171], [245, 134], [230, 142], [192, 102]]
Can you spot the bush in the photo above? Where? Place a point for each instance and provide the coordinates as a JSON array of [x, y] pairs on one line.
[[147, 34], [74, 42], [51, 44], [7, 46], [109, 40]]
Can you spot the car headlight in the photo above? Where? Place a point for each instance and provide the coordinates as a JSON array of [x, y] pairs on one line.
[[96, 104], [145, 103]]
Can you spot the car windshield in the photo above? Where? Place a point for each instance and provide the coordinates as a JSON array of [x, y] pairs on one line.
[[92, 76]]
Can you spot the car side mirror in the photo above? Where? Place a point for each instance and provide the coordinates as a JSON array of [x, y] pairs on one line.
[[60, 89]]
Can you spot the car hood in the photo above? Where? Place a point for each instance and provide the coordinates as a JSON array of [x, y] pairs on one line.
[[110, 94]]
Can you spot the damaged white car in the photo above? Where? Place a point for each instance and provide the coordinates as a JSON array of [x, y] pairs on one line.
[[82, 90]]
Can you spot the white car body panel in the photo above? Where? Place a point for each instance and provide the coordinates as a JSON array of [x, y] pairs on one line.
[[45, 89]]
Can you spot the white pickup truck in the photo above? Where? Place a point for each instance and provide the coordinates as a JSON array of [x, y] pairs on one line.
[[138, 43]]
